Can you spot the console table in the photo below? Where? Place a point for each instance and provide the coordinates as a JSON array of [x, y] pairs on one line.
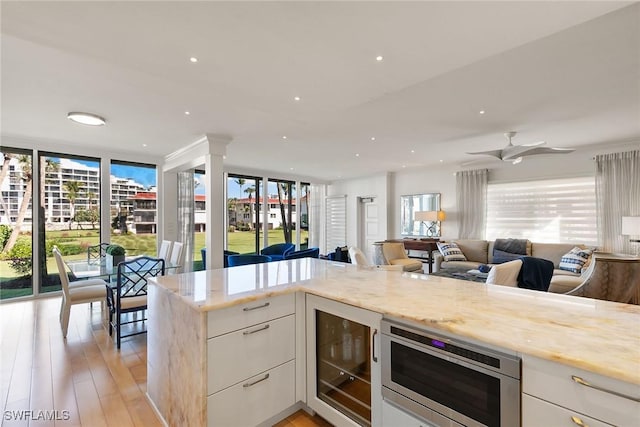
[[425, 245]]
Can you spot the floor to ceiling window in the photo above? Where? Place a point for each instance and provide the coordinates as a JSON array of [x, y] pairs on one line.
[[16, 223], [243, 213], [133, 207], [69, 211]]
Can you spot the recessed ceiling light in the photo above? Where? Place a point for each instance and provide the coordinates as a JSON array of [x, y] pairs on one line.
[[481, 111], [404, 166], [441, 161], [379, 58], [193, 59], [186, 113], [284, 136], [224, 157], [290, 169], [373, 138], [144, 145], [357, 154], [296, 98], [86, 118], [413, 151]]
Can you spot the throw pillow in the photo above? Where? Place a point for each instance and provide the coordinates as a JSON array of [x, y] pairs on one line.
[[500, 257], [575, 259], [451, 252]]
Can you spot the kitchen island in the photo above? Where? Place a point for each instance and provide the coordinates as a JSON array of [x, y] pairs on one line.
[[595, 336]]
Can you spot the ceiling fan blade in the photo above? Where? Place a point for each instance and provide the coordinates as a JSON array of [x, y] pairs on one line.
[[494, 153], [534, 144], [540, 150]]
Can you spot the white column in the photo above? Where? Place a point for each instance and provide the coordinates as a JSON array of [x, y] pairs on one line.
[[216, 205]]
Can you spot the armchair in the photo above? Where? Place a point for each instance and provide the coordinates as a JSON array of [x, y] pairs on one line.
[[278, 251], [394, 254]]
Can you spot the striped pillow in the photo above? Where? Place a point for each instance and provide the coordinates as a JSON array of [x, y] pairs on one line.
[[575, 259], [451, 252]]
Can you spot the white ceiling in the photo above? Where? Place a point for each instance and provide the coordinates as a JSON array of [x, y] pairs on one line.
[[566, 72]]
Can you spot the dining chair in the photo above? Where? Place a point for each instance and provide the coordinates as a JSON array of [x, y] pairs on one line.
[[130, 293], [236, 260], [76, 292], [96, 252], [165, 248], [176, 257]]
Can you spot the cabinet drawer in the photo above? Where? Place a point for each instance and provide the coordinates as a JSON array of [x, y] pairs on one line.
[[240, 316], [553, 382], [536, 413], [255, 400], [392, 416], [244, 353]]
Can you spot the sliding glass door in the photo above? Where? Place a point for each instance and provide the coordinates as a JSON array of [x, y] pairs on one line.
[[69, 204]]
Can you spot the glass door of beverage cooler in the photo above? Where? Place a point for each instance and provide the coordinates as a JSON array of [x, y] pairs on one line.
[[343, 366]]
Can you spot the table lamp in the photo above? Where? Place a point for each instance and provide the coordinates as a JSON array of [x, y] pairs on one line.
[[432, 217]]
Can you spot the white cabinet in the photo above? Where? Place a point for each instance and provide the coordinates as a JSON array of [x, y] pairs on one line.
[[540, 413], [343, 368], [568, 392], [395, 417], [251, 370]]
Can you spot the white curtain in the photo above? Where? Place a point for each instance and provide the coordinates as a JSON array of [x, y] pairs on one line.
[[316, 195], [471, 198], [617, 195], [186, 217]]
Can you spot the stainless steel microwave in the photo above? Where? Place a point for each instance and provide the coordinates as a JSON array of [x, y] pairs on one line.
[[448, 381]]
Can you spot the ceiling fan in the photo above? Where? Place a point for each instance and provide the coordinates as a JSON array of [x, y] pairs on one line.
[[515, 153]]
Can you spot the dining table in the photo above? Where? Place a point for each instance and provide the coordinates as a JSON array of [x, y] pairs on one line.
[[91, 269]]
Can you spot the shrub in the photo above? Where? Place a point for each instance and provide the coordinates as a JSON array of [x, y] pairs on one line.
[[20, 257], [5, 233], [115, 250]]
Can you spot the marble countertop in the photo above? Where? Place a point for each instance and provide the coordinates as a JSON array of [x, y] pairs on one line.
[[598, 336]]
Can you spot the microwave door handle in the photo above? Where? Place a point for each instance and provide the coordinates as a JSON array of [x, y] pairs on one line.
[[373, 346]]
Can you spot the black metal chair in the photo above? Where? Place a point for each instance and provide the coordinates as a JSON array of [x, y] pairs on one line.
[[96, 252], [130, 293]]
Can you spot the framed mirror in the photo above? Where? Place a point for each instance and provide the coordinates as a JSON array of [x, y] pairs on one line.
[[420, 215]]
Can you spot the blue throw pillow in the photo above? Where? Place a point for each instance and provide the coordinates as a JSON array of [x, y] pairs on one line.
[[501, 256]]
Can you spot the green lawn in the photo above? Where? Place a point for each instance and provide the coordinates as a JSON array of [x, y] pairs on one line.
[[239, 241]]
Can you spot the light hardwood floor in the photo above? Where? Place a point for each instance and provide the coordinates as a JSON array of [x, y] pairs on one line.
[[84, 374]]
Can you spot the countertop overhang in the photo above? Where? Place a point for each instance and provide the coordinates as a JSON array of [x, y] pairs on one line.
[[599, 336]]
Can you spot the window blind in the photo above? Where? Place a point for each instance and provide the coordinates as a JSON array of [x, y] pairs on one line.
[[547, 211], [335, 222]]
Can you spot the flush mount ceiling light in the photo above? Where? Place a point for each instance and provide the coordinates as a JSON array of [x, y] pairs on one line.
[[86, 118]]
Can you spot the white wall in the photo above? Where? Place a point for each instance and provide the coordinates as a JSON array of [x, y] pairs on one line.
[[376, 186], [441, 179]]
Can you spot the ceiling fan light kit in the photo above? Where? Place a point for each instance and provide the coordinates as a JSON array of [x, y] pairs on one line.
[[515, 153]]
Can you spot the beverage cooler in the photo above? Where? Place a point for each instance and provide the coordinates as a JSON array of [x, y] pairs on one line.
[[343, 364]]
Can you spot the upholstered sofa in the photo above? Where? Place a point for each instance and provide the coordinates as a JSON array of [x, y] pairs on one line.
[[481, 252]]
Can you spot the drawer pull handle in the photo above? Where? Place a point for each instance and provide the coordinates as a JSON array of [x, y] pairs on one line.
[[578, 421], [373, 346], [264, 328], [266, 304], [616, 393], [245, 385]]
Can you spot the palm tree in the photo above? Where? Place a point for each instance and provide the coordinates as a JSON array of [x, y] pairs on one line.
[[48, 166], [286, 229], [73, 191], [27, 176], [241, 182], [250, 192]]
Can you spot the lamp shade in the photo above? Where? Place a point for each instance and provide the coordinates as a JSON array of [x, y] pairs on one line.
[[429, 216], [631, 225]]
